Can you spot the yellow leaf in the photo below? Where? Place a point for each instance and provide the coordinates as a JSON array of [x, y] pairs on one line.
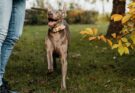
[[109, 42], [95, 31], [132, 46], [126, 18], [89, 31], [133, 33], [116, 17], [126, 50], [98, 37], [128, 44], [133, 37], [131, 4], [119, 36], [130, 24], [132, 10], [121, 50], [124, 39], [125, 31], [119, 43], [115, 46], [114, 35], [92, 38], [82, 32], [102, 37]]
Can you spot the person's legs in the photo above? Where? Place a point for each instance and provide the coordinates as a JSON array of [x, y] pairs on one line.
[[14, 31], [5, 14]]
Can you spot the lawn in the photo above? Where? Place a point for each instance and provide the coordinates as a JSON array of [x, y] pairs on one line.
[[91, 67]]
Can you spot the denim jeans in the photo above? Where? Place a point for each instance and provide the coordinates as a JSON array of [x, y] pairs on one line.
[[12, 14]]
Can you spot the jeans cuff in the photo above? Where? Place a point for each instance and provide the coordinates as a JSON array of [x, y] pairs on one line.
[[1, 80]]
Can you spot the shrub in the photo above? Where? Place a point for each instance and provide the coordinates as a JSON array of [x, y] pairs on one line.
[[80, 16], [39, 16]]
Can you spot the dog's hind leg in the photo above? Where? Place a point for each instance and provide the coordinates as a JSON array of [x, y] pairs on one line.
[[54, 62]]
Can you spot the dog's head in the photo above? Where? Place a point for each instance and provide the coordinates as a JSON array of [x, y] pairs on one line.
[[55, 16]]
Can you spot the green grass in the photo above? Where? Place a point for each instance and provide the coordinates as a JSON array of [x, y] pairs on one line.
[[91, 67]]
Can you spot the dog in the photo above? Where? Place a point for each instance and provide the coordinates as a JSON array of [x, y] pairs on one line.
[[57, 42]]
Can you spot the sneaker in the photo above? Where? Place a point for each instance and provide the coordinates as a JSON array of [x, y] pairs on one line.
[[3, 89], [5, 84]]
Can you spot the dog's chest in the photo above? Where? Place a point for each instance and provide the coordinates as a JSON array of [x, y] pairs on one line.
[[57, 38]]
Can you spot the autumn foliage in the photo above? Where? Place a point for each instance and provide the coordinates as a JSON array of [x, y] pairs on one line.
[[126, 38]]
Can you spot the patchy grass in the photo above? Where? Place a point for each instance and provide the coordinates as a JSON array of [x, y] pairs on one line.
[[91, 67]]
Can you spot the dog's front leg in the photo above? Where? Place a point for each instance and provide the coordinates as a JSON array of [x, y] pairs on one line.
[[64, 71], [49, 51], [50, 61]]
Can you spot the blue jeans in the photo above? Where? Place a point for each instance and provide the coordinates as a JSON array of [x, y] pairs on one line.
[[12, 14]]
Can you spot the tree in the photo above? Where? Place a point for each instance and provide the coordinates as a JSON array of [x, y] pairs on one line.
[[118, 8], [123, 42]]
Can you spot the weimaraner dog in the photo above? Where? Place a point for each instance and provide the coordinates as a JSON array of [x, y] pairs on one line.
[[57, 42]]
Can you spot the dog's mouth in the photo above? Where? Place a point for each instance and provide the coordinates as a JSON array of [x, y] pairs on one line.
[[55, 24], [52, 19], [52, 22]]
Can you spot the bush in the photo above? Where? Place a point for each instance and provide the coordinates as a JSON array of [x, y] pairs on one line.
[[38, 16], [83, 17]]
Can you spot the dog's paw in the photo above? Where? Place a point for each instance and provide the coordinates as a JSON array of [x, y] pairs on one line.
[[50, 71], [63, 89]]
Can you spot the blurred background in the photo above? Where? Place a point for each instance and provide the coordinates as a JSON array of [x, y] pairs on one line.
[[79, 12], [93, 10]]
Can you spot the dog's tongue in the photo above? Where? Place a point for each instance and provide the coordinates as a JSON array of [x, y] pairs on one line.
[[51, 24]]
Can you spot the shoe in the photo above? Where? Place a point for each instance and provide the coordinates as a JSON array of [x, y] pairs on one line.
[[3, 89], [5, 84]]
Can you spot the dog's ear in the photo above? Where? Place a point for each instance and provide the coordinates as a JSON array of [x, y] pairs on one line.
[[64, 11], [49, 7]]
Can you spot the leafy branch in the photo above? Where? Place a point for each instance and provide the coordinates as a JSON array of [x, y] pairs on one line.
[[122, 42]]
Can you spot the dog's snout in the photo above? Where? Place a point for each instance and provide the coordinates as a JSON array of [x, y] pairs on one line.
[[50, 13]]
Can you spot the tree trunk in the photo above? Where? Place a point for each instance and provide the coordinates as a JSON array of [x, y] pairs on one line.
[[118, 8]]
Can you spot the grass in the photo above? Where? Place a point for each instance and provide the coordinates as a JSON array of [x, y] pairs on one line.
[[91, 67]]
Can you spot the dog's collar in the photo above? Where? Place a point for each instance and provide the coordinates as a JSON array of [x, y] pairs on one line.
[[58, 27]]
